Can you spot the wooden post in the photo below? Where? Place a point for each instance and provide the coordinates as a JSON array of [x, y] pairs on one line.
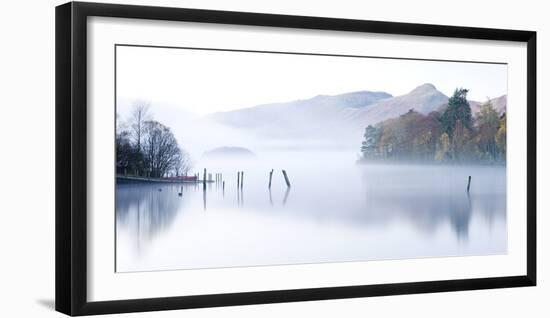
[[270, 177], [469, 180], [238, 178], [286, 178], [204, 179], [242, 178], [223, 188]]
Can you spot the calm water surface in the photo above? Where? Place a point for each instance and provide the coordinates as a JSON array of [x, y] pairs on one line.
[[335, 211]]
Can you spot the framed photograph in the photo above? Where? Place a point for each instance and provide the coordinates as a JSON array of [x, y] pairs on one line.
[[210, 158]]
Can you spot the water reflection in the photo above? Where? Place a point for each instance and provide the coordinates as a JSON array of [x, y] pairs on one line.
[[148, 208], [417, 207]]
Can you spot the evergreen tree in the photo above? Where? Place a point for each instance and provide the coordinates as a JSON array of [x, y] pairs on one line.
[[369, 145], [458, 110]]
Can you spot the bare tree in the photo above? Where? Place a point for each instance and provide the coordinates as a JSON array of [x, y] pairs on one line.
[[138, 117], [123, 148], [184, 165], [161, 151]]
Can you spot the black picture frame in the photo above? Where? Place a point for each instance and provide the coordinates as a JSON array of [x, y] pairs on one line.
[[71, 157]]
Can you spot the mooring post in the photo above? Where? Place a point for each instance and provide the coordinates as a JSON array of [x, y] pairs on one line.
[[238, 178], [242, 178], [270, 177], [469, 180], [286, 178], [204, 179], [223, 188]]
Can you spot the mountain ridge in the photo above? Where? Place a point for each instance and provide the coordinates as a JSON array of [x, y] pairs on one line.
[[341, 117]]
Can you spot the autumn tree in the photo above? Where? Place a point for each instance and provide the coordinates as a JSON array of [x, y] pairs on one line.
[[443, 148], [500, 137], [488, 123]]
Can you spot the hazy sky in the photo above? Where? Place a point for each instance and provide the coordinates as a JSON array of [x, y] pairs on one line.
[[204, 82]]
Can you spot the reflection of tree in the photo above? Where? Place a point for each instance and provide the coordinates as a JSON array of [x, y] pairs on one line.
[[145, 210], [427, 210], [460, 214]]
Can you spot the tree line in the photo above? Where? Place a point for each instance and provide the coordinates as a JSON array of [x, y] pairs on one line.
[[449, 135], [147, 148]]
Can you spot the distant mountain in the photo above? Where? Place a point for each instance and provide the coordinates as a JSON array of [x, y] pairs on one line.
[[308, 118], [424, 99], [226, 152], [288, 114], [339, 119], [352, 100]]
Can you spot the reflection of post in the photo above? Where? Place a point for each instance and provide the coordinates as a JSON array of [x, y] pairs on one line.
[[286, 195], [238, 196], [469, 180], [270, 177], [242, 195], [270, 197], [286, 179], [204, 179], [204, 199], [223, 188]]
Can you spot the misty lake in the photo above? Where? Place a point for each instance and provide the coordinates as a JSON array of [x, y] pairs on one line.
[[335, 211]]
